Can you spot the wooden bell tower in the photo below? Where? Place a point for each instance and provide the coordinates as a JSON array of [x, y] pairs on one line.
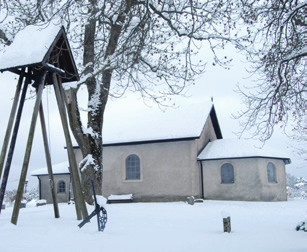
[[40, 56]]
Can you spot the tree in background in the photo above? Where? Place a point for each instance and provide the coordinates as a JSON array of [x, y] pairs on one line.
[[278, 51]]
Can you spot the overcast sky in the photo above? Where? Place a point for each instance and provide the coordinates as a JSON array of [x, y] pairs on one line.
[[216, 82]]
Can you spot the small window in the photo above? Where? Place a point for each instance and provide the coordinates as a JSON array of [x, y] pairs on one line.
[[227, 174], [133, 167], [271, 173], [61, 186]]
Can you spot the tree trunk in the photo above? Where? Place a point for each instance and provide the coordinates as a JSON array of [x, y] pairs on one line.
[[91, 143]]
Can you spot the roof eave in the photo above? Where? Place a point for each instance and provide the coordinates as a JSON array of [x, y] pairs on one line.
[[46, 174], [145, 141], [286, 160]]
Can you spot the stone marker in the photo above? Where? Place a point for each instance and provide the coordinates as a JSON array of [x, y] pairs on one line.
[[227, 224], [191, 200]]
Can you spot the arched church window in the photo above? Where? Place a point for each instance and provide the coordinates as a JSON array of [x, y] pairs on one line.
[[271, 172], [61, 186], [227, 174], [133, 169]]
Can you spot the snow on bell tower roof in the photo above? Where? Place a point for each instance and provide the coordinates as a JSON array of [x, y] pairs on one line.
[[40, 46]]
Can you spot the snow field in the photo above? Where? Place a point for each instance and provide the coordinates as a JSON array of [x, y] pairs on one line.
[[178, 226]]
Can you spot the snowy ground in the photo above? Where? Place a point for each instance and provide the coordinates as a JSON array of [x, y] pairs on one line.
[[256, 226]]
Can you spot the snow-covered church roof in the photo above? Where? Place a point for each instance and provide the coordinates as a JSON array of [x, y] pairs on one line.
[[235, 148], [126, 124], [61, 168]]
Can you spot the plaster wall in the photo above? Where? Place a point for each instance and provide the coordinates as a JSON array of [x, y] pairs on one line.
[[250, 180], [45, 191], [169, 170], [207, 134], [166, 171]]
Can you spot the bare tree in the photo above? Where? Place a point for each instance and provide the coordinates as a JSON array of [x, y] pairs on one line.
[[278, 51], [143, 45]]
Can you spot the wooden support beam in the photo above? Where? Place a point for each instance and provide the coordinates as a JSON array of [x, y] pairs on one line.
[[48, 161], [26, 160], [81, 209], [10, 124], [63, 116], [12, 144], [29, 75], [59, 71]]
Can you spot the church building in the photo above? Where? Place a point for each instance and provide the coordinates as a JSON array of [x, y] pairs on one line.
[[169, 155]]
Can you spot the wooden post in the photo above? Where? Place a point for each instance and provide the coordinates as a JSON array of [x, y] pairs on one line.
[[48, 161], [227, 224], [10, 124], [26, 160], [12, 144], [78, 195], [72, 183], [72, 153]]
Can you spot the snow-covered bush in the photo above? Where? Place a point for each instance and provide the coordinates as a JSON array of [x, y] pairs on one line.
[[32, 194], [296, 187], [9, 196]]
